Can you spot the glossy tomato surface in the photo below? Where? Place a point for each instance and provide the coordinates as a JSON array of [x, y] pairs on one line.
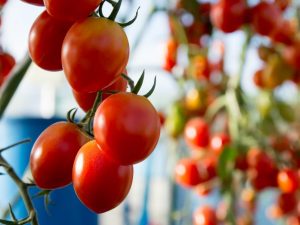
[[70, 10], [53, 154], [288, 180], [127, 127], [95, 52], [86, 100], [45, 41], [187, 173], [34, 2], [205, 215], [7, 62], [100, 183]]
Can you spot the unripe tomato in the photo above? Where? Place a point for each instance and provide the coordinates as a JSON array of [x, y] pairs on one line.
[[175, 120], [45, 41], [69, 10], [187, 172], [228, 15], [288, 181], [196, 133], [127, 127], [218, 142], [95, 51], [199, 67], [100, 183], [265, 18], [86, 100], [35, 2], [53, 154], [205, 215]]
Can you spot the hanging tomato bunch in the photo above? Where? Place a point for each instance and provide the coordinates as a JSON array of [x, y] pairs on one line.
[[238, 144], [119, 129]]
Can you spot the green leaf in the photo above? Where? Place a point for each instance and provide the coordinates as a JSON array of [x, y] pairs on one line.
[[41, 193], [139, 84], [226, 163], [149, 93]]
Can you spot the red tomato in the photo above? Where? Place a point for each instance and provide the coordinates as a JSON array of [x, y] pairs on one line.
[[291, 55], [45, 41], [205, 215], [196, 133], [258, 78], [35, 2], [53, 154], [284, 33], [218, 142], [228, 15], [283, 4], [100, 183], [7, 62], [86, 100], [95, 51], [171, 54], [287, 202], [259, 160], [127, 127], [2, 2], [187, 173], [68, 10], [288, 181], [265, 18]]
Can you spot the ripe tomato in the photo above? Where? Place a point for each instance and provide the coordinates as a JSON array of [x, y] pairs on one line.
[[53, 154], [171, 54], [68, 10], [35, 2], [218, 142], [7, 62], [86, 100], [228, 15], [95, 51], [45, 41], [100, 183], [127, 127], [284, 33], [187, 172], [196, 133], [287, 202], [265, 18], [291, 55], [204, 215], [288, 181]]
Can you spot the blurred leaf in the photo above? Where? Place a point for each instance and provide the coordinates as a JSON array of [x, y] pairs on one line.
[[226, 163]]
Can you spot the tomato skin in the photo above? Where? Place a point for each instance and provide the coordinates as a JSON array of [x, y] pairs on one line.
[[287, 202], [100, 183], [7, 62], [45, 41], [288, 181], [34, 2], [196, 133], [187, 173], [95, 51], [127, 127], [204, 215], [68, 10], [219, 141], [53, 154], [86, 100], [228, 15]]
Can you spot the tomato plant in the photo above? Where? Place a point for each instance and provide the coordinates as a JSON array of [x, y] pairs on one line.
[[53, 154], [85, 58], [127, 127], [100, 183]]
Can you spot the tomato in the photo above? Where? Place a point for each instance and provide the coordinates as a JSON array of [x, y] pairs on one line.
[[196, 133], [100, 183], [171, 54], [258, 78], [53, 154], [288, 181], [95, 51], [35, 2], [86, 100], [284, 33], [127, 127], [187, 173], [283, 4], [204, 215], [219, 141], [258, 159], [287, 202], [291, 55], [45, 41], [7, 62], [228, 15], [2, 2], [68, 10], [265, 18]]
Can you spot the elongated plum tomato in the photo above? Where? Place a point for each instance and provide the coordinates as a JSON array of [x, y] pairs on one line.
[[45, 41], [34, 2], [95, 51], [53, 154], [86, 100], [127, 127], [70, 10], [99, 182]]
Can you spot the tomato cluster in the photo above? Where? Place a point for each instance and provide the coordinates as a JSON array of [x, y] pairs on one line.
[[119, 129]]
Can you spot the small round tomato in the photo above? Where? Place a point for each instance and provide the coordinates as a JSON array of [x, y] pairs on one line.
[[284, 33], [187, 173], [45, 41], [205, 215], [127, 127], [287, 202], [171, 54], [288, 181], [291, 55], [86, 100], [228, 15], [7, 62], [196, 133], [265, 18], [219, 141], [100, 183], [53, 154], [95, 51], [68, 10], [258, 78], [34, 2]]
